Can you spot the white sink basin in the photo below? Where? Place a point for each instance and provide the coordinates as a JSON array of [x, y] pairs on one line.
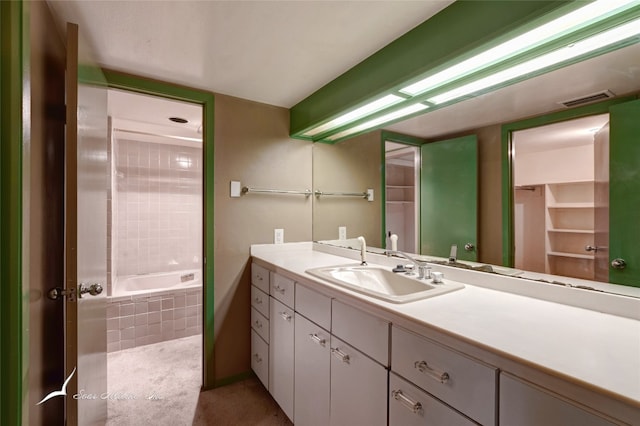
[[381, 282]]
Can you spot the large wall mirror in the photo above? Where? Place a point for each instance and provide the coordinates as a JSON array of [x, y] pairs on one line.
[[613, 77]]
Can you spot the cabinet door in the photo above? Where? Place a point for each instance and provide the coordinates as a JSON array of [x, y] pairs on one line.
[[281, 353], [449, 197], [312, 362], [358, 388], [528, 405]]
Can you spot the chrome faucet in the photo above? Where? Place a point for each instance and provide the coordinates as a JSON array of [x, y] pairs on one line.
[[453, 254], [363, 251], [424, 271]]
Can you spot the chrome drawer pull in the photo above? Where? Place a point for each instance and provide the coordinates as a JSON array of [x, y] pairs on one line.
[[423, 367], [415, 407], [340, 355], [258, 324], [279, 289], [285, 316], [258, 300], [258, 358], [317, 339]]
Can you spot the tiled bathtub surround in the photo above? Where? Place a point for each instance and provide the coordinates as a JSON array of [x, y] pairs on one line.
[[157, 221], [156, 317]]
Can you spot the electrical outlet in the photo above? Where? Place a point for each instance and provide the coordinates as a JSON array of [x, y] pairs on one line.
[[342, 232], [369, 194], [278, 236]]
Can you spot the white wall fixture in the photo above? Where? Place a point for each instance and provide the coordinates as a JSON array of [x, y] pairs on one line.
[[278, 236], [342, 232], [235, 189]]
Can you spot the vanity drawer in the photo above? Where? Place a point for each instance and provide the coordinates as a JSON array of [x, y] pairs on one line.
[[260, 301], [314, 306], [260, 324], [260, 358], [364, 331], [260, 277], [465, 384], [282, 289], [411, 406]]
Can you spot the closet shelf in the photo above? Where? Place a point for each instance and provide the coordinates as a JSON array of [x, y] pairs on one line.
[[571, 206], [573, 255], [572, 231]]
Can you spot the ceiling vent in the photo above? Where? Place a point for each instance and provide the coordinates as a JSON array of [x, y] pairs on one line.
[[593, 97]]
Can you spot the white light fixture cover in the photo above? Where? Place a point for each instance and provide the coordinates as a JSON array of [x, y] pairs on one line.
[[363, 111], [378, 121], [580, 48], [572, 21]]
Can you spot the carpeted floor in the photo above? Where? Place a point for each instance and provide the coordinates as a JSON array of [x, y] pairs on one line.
[[159, 384]]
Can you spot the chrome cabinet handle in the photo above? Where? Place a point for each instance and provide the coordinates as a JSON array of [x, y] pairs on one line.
[[618, 263], [589, 247], [258, 300], [285, 316], [423, 367], [258, 324], [317, 339], [414, 407], [340, 355], [279, 289], [469, 247], [257, 358]]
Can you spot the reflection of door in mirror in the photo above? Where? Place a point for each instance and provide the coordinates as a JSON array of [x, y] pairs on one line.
[[554, 177], [402, 164]]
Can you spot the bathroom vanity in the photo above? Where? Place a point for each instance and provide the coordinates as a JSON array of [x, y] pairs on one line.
[[496, 351]]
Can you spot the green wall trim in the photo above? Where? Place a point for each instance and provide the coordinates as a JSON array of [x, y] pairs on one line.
[[455, 33], [508, 244], [13, 386], [401, 138], [147, 86]]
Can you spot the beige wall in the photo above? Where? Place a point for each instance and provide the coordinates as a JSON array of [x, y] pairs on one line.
[[252, 145], [350, 166]]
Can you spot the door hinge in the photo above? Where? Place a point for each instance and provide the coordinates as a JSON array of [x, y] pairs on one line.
[[58, 293]]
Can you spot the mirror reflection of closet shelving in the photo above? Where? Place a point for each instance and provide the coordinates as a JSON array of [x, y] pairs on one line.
[[554, 193], [570, 228], [401, 186]]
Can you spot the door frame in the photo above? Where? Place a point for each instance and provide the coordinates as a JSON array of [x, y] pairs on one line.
[[508, 234], [388, 136], [142, 85], [14, 303]]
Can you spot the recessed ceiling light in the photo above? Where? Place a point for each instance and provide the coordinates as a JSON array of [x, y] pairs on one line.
[[179, 120]]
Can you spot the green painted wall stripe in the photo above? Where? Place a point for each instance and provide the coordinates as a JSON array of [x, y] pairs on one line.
[[206, 99], [508, 244], [12, 304], [456, 32]]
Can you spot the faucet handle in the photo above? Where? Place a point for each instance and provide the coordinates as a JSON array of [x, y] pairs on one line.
[[424, 271]]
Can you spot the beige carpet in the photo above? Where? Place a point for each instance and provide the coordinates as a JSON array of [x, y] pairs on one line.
[[159, 384]]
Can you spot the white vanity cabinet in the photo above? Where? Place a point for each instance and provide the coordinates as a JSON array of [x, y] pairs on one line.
[[411, 406], [525, 404], [312, 357], [463, 383], [260, 323], [281, 343], [359, 360]]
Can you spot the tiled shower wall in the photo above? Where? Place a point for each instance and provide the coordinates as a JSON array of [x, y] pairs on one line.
[[157, 205]]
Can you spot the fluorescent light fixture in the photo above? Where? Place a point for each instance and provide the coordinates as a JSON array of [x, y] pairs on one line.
[[379, 120], [574, 50], [357, 113], [572, 21]]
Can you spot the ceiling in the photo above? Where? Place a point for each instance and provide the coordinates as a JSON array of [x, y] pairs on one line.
[[280, 52], [275, 52]]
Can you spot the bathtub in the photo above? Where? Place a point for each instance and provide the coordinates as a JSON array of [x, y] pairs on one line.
[[151, 308]]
